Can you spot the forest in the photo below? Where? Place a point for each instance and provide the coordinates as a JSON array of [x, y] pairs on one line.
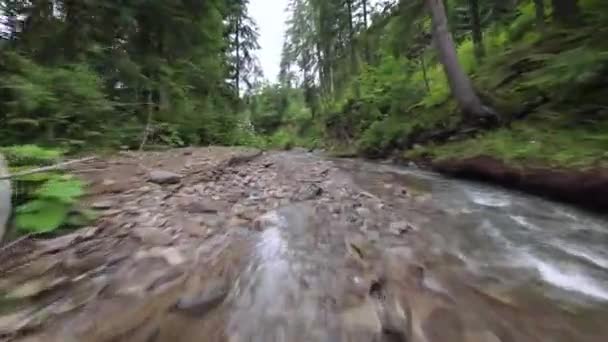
[[416, 171], [520, 81]]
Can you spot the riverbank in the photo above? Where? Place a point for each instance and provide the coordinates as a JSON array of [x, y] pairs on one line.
[[586, 188], [556, 156], [553, 138]]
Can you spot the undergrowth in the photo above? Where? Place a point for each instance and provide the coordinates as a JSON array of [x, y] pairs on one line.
[[45, 202]]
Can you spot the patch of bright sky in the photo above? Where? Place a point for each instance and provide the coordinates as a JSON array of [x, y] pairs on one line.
[[270, 15]]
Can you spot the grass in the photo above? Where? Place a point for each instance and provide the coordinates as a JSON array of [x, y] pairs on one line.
[[531, 143]]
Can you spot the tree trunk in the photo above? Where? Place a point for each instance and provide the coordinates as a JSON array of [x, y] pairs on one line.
[[476, 29], [460, 84], [367, 52], [566, 12], [540, 14], [149, 118], [237, 38], [5, 197], [351, 36]]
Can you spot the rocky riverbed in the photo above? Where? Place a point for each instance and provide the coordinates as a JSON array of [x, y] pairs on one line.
[[226, 244]]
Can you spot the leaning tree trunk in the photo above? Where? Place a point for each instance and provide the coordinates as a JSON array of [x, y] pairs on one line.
[[566, 12], [5, 197], [460, 84]]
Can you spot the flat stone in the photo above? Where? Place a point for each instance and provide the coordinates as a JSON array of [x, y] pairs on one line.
[[164, 177], [194, 229], [152, 236], [211, 220], [199, 305], [203, 206], [238, 222], [401, 227], [102, 205]]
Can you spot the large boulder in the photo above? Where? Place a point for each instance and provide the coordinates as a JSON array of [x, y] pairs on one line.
[[5, 197], [164, 177]]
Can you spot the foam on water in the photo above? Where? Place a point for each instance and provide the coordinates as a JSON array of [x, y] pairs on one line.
[[569, 280], [488, 199], [522, 221], [587, 254]]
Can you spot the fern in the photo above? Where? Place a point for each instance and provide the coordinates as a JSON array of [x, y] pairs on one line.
[[41, 216], [64, 190]]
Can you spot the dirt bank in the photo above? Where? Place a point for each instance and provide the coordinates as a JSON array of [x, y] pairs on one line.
[[587, 188]]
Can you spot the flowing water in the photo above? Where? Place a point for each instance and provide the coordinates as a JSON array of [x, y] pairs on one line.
[[537, 254]]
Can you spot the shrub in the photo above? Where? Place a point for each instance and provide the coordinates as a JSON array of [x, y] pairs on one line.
[[45, 202], [383, 136]]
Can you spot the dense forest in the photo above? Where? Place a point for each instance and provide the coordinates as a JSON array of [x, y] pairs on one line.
[[108, 74], [517, 80]]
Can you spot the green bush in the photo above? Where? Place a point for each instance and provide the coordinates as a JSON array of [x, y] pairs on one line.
[[383, 136], [45, 202], [282, 139], [50, 103], [23, 155], [50, 207]]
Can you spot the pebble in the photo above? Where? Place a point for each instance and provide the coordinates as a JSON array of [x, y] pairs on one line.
[[164, 177]]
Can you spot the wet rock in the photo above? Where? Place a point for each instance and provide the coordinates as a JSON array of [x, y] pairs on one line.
[[35, 286], [164, 177], [103, 205], [171, 255], [194, 229], [200, 304], [401, 227], [238, 222], [268, 220], [308, 192], [363, 317], [203, 206], [152, 236]]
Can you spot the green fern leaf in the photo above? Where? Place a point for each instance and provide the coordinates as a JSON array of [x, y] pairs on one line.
[[63, 190], [41, 216]]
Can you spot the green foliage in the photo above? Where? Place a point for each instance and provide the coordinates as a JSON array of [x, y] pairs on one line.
[[96, 74], [22, 155], [384, 136], [40, 216], [532, 142], [281, 139], [45, 101], [567, 70], [45, 201], [64, 190]]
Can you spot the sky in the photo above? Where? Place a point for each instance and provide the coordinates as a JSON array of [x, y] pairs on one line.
[[270, 16]]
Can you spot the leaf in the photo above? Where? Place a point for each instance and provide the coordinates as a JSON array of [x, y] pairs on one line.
[[63, 190], [41, 216], [32, 206]]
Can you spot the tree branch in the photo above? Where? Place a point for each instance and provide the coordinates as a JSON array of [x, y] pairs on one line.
[[46, 168]]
